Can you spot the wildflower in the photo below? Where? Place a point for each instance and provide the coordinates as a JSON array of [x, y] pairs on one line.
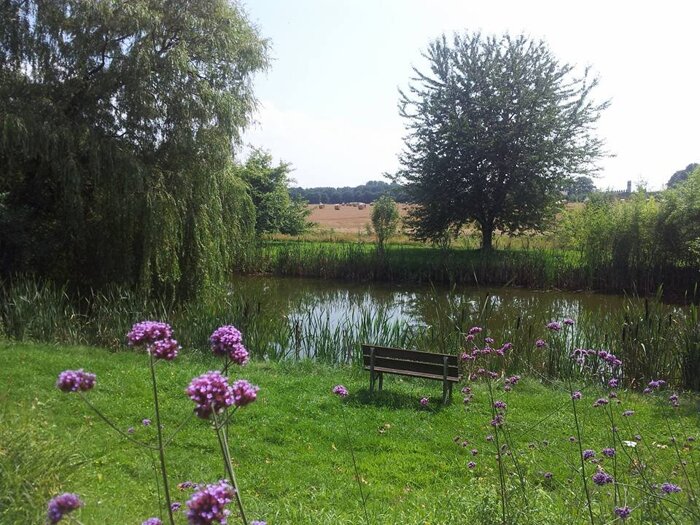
[[148, 332], [340, 391], [227, 340], [540, 343], [75, 380], [602, 478], [628, 413], [690, 439], [568, 322], [572, 439], [548, 475], [471, 464], [600, 402], [674, 400], [255, 522], [474, 452], [62, 505], [244, 393], [497, 421], [612, 383], [554, 326], [513, 380], [588, 454], [467, 357], [210, 393], [500, 405], [206, 506], [623, 512], [467, 400], [488, 340], [146, 422], [507, 346], [466, 390], [469, 337], [609, 452], [424, 401], [130, 430], [166, 349], [187, 485], [465, 443], [668, 488], [489, 438], [613, 395], [507, 388], [175, 506], [152, 521], [576, 395], [475, 330]]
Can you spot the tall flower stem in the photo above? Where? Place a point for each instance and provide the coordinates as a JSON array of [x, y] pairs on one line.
[[112, 425], [223, 445], [580, 450], [499, 459], [161, 448], [354, 464]]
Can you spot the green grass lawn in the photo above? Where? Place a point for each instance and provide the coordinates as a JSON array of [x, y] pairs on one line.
[[292, 453]]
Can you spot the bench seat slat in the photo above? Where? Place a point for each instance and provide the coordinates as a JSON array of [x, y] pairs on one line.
[[414, 374]]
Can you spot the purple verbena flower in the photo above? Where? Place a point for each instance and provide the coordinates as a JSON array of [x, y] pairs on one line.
[[227, 340], [568, 321], [497, 421], [668, 488], [540, 343], [148, 332], [489, 438], [255, 522], [207, 506], [588, 454], [175, 506], [602, 478], [166, 349], [475, 330], [146, 422], [623, 512], [474, 452], [62, 505], [576, 395], [130, 430], [75, 381], [244, 393], [466, 390], [548, 475], [340, 391], [152, 521], [471, 465], [488, 340], [609, 452], [628, 413], [673, 398], [613, 383], [210, 393], [424, 401], [500, 405], [600, 402], [554, 326]]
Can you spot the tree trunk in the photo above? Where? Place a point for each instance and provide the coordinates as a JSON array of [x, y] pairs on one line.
[[487, 236]]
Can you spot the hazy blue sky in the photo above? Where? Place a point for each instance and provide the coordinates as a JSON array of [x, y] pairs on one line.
[[329, 101]]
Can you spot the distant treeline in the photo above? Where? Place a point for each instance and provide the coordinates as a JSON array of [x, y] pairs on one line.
[[365, 193]]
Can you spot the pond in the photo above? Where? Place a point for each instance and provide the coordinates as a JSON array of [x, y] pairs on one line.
[[328, 320]]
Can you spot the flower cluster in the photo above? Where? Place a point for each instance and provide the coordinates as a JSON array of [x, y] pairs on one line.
[[227, 340], [669, 488], [623, 512], [609, 452], [341, 391], [207, 506], [62, 505], [602, 478], [164, 349], [210, 393], [148, 332], [588, 454], [554, 326], [424, 401], [75, 381], [673, 399], [152, 521], [244, 393]]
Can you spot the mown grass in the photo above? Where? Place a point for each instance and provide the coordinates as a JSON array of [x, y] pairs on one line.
[[291, 449]]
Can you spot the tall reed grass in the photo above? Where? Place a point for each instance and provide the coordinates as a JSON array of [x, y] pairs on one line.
[[653, 340]]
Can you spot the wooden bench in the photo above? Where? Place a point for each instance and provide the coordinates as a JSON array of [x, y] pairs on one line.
[[380, 360]]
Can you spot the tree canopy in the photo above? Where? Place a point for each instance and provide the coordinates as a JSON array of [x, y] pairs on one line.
[[385, 219], [275, 210], [117, 123], [494, 128], [682, 175]]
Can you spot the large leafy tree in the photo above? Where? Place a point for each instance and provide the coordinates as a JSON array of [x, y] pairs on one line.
[[495, 127], [117, 123], [275, 210]]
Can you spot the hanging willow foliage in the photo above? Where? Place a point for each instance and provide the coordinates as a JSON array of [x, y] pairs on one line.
[[117, 127]]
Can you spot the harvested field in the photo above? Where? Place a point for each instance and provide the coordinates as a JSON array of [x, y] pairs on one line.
[[347, 219]]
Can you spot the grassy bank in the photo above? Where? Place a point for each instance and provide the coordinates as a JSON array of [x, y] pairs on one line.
[[527, 267], [292, 452]]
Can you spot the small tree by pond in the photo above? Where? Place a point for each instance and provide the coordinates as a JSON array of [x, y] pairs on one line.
[[385, 220]]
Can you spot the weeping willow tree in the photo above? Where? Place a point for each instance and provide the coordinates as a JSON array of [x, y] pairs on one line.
[[117, 127]]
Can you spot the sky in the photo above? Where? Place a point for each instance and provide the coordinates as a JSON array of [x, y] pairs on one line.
[[328, 104]]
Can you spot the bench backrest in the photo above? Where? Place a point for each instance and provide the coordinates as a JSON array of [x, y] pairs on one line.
[[411, 360]]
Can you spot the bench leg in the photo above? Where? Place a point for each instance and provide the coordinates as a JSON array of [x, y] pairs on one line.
[[444, 392], [381, 381]]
